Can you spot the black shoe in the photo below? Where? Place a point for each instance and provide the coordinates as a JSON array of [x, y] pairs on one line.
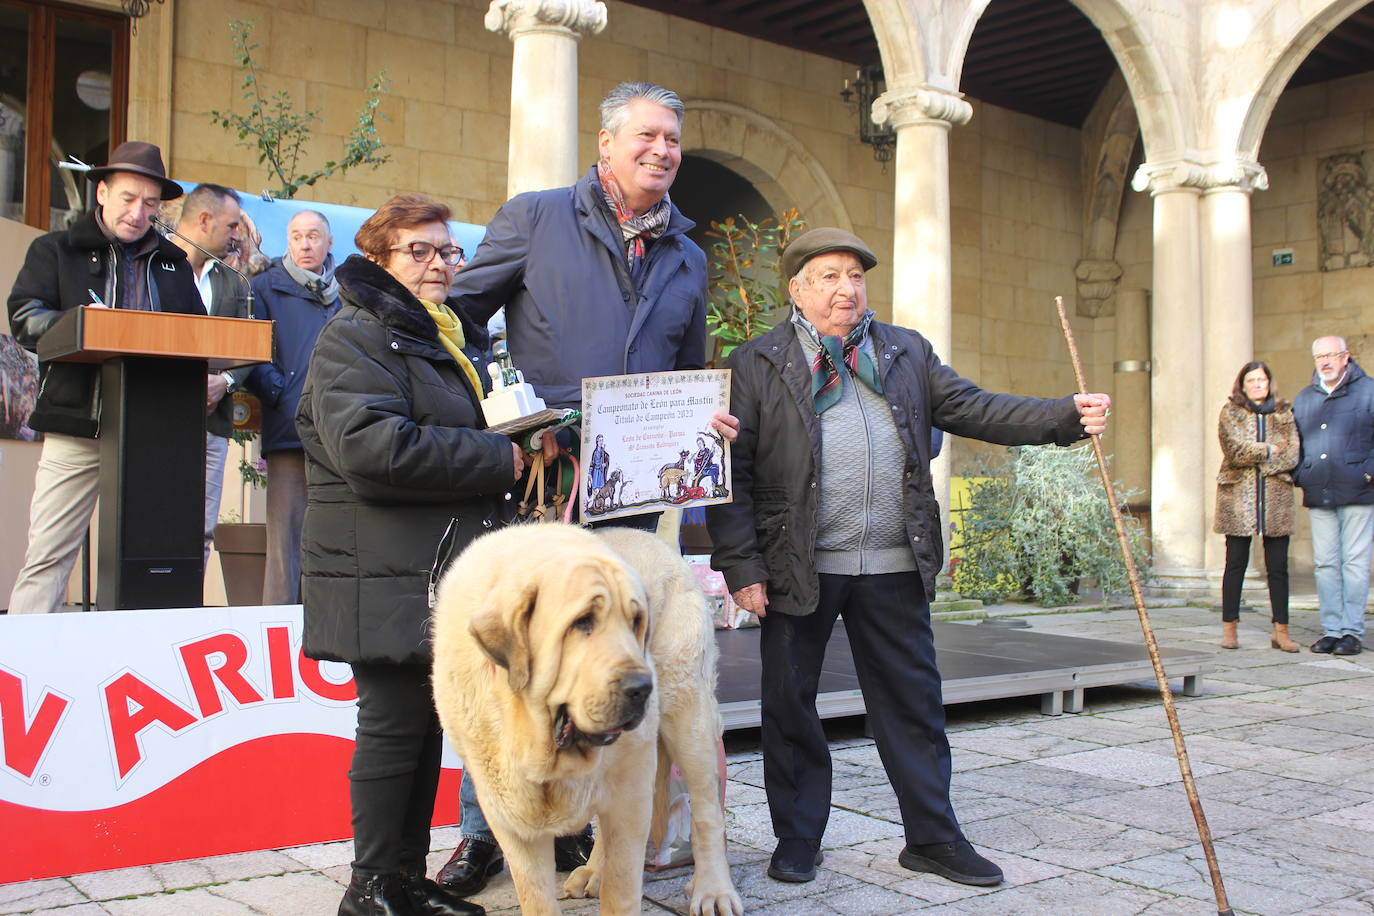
[[957, 861], [377, 895], [572, 852], [1324, 645], [429, 899], [471, 866], [1348, 644], [795, 860]]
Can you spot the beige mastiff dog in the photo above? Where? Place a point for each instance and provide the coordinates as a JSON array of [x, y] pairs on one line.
[[570, 670]]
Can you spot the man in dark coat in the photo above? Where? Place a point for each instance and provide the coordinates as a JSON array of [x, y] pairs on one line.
[[596, 279], [834, 513], [299, 293], [111, 257], [1335, 417]]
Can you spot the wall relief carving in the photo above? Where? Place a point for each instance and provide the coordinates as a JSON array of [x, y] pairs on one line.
[[1345, 210]]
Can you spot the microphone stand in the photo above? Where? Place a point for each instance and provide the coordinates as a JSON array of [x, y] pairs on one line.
[[249, 301]]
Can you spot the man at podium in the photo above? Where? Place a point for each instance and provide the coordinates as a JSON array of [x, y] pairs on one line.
[[111, 257]]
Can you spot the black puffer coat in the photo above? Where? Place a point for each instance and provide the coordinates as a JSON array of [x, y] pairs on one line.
[[768, 533], [392, 432]]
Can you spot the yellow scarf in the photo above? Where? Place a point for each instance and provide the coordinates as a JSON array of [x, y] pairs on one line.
[[451, 336]]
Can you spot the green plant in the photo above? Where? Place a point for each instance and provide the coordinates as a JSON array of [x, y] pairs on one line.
[[278, 133], [746, 295], [254, 473], [1037, 524]]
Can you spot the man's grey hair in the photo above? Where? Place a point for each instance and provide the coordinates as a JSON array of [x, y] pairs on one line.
[[324, 219], [206, 198], [1344, 346], [615, 107]]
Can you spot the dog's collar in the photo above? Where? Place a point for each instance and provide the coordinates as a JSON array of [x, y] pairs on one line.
[[566, 734]]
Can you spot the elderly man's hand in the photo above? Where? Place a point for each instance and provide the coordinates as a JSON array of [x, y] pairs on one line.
[[753, 598], [1093, 411], [215, 389], [726, 424]]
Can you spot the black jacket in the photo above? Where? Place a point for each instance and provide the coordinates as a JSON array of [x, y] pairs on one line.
[[394, 451], [298, 317], [1336, 435], [768, 533], [229, 300], [60, 272]]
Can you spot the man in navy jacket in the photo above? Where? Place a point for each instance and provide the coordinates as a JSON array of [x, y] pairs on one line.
[[1335, 417]]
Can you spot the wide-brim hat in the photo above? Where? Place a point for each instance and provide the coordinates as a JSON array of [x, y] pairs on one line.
[[823, 241], [141, 159]]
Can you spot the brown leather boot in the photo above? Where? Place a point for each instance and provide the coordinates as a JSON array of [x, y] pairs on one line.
[[1280, 639], [1228, 634]]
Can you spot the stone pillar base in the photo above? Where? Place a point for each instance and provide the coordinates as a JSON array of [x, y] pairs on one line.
[[1184, 583]]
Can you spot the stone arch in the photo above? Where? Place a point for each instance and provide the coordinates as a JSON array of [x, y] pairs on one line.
[[1305, 38], [936, 55], [775, 161]]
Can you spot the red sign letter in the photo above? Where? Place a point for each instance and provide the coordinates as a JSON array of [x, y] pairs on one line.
[[25, 742], [196, 657], [126, 723]]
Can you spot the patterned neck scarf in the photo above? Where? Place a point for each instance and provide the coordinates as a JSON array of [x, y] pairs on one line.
[[827, 382], [634, 229]]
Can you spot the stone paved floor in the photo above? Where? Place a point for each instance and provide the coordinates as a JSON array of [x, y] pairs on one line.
[[1085, 813]]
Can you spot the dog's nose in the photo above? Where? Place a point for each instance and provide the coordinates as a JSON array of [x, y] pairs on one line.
[[636, 687]]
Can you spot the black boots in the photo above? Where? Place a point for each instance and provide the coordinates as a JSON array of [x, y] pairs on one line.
[[472, 865], [402, 895]]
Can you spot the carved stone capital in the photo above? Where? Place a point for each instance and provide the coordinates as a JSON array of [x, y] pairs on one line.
[[577, 17], [1174, 174], [1096, 286], [902, 107]]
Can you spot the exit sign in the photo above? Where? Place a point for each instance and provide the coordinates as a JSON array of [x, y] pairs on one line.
[[1283, 257]]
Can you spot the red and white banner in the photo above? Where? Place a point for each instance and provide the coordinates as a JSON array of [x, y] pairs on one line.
[[133, 737]]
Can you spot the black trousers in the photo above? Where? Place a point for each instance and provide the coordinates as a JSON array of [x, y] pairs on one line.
[[395, 772], [887, 619], [1275, 568]]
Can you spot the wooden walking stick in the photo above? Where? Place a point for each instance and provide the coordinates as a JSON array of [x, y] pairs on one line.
[[1180, 751]]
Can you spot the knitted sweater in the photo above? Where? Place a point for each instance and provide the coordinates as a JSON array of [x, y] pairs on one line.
[[860, 528]]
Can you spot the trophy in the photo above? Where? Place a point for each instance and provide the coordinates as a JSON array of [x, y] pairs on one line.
[[512, 398]]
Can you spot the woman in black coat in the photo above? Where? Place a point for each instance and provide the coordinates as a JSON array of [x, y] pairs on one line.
[[391, 422]]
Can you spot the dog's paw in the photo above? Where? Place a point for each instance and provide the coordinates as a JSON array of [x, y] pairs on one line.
[[584, 881], [713, 901]]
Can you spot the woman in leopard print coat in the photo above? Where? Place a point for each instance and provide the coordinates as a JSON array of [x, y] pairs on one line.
[[1259, 449]]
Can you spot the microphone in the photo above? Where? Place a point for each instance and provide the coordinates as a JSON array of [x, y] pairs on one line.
[[169, 230]]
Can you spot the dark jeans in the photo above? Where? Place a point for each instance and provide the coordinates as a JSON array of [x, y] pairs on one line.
[[1275, 567], [887, 619], [395, 771]]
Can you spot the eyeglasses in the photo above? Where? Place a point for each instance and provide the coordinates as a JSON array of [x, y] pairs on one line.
[[423, 251], [1318, 357]]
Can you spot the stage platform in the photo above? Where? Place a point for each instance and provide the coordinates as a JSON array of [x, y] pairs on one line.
[[976, 663]]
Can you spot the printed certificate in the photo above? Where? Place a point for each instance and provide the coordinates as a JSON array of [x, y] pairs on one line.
[[648, 443]]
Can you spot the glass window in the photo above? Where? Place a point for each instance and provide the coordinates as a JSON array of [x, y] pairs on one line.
[[62, 96]]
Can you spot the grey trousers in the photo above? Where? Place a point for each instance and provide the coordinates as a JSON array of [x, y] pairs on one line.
[[286, 495]]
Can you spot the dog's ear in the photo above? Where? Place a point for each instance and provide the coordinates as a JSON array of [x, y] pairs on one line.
[[503, 633]]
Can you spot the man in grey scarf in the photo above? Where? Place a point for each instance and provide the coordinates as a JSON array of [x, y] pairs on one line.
[[299, 293]]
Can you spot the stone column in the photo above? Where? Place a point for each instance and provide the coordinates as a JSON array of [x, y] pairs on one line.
[[1228, 311], [921, 268], [1177, 397], [1130, 427], [543, 86]]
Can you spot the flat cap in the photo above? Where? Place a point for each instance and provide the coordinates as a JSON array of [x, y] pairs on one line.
[[823, 241]]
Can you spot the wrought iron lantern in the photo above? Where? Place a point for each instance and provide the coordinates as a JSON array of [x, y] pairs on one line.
[[867, 85]]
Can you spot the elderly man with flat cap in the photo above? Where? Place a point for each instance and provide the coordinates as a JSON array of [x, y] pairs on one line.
[[834, 513], [110, 257]]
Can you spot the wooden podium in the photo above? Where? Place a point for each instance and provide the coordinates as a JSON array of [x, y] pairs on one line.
[[153, 365]]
